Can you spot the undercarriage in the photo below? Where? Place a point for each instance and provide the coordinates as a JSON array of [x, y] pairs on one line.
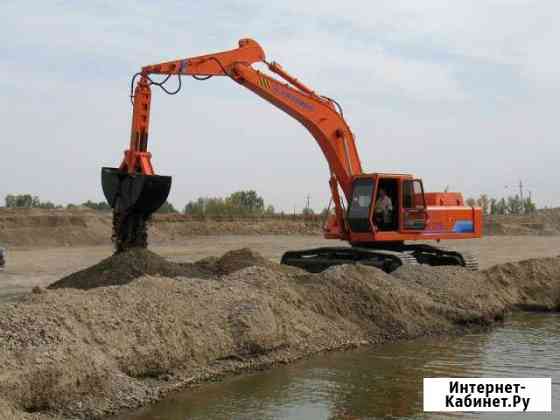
[[387, 259]]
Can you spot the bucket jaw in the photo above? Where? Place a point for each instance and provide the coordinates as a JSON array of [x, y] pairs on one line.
[[133, 199]]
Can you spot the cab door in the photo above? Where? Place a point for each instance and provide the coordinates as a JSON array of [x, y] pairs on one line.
[[414, 213], [359, 210]]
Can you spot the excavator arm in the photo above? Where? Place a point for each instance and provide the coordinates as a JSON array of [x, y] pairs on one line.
[[135, 188], [318, 114]]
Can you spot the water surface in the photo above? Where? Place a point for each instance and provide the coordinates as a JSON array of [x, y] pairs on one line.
[[382, 381]]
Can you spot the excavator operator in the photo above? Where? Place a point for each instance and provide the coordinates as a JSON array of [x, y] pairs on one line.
[[383, 210]]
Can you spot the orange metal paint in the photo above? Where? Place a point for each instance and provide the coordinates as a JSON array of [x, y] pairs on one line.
[[321, 118]]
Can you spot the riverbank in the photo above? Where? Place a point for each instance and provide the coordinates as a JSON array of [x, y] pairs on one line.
[[75, 353], [376, 382]]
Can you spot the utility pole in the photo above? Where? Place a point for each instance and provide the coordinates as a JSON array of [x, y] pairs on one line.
[[521, 190], [307, 199]]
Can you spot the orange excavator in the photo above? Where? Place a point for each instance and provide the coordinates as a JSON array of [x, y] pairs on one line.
[[378, 214]]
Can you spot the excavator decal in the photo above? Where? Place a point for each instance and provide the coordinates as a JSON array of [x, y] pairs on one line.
[[379, 235], [280, 90], [265, 84]]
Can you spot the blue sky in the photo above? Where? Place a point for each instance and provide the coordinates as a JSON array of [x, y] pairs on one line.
[[462, 94]]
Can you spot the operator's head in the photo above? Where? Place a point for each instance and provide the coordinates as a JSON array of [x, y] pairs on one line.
[[382, 193]]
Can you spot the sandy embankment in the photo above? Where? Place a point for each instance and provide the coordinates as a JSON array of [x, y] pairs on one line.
[[78, 353], [83, 227]]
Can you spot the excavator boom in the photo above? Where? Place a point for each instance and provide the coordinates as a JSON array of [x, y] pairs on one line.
[[134, 190]]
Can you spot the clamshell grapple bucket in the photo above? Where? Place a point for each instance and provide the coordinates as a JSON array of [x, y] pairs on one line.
[[133, 199], [141, 194]]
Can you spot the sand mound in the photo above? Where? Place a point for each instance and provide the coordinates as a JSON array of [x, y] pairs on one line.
[[238, 259], [532, 284], [121, 269]]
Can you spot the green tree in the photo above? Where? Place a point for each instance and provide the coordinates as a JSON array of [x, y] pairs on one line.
[[307, 211], [167, 207], [10, 201], [493, 206], [216, 207], [501, 207], [195, 208], [246, 202], [240, 203], [102, 205], [269, 210], [484, 203], [26, 201], [514, 205], [46, 205], [528, 206]]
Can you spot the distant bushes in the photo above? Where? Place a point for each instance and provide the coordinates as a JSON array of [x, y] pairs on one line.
[[28, 201], [240, 203], [511, 205]]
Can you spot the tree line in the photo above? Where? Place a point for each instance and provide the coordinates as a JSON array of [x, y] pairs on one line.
[[513, 204], [239, 203], [248, 203], [28, 201]]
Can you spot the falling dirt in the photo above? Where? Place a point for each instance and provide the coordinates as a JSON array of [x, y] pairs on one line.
[[159, 327]]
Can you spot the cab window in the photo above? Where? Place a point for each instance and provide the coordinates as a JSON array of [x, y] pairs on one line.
[[413, 197]]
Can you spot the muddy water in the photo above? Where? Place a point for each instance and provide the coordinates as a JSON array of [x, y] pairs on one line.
[[376, 382]]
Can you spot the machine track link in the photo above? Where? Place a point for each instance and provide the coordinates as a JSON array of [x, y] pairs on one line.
[[471, 262]]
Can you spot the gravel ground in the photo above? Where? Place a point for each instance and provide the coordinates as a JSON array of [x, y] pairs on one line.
[[30, 267], [73, 353]]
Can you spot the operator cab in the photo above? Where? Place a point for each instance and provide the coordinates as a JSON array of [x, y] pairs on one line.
[[387, 203]]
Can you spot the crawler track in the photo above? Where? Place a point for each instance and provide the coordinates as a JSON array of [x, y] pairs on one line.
[[319, 259]]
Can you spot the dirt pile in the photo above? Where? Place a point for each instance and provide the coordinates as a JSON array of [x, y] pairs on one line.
[[87, 353], [545, 222], [122, 268], [531, 284], [179, 226], [59, 227]]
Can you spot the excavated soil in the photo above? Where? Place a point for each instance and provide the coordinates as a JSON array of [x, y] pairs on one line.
[[122, 268], [87, 353]]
